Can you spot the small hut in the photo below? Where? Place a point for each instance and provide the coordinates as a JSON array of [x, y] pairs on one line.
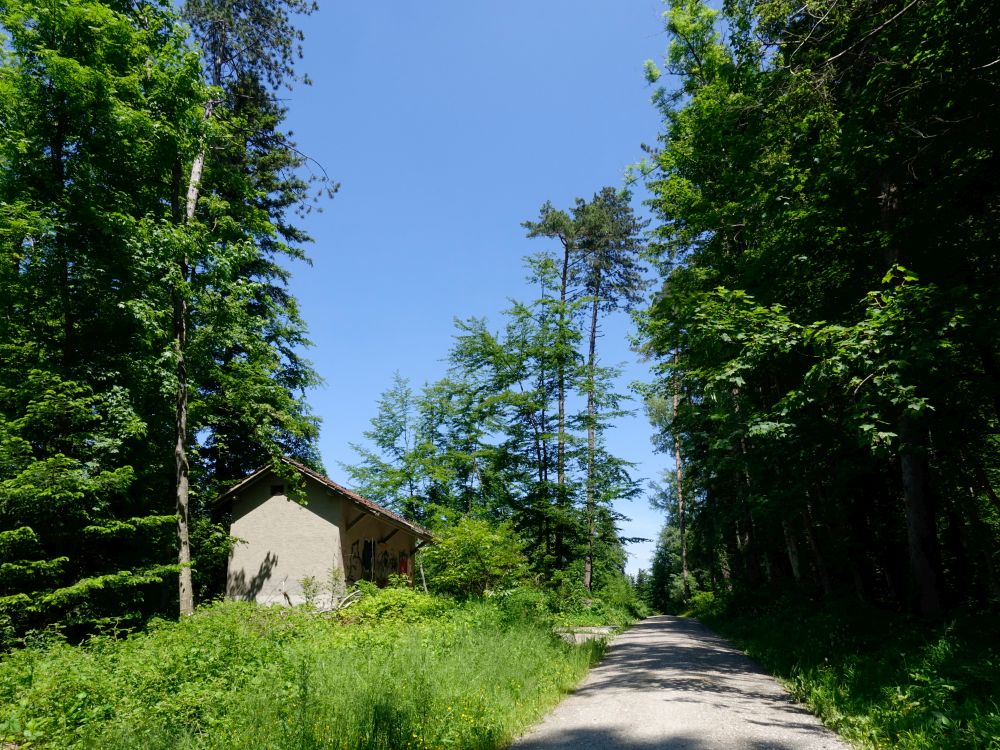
[[303, 545]]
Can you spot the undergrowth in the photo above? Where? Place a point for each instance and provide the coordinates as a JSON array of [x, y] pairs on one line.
[[881, 679], [399, 670]]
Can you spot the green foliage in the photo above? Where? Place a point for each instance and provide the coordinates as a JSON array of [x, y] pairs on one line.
[[516, 430], [880, 679], [239, 676], [395, 605], [613, 600], [474, 557], [824, 320], [104, 109], [524, 603], [398, 473], [62, 509], [97, 102]]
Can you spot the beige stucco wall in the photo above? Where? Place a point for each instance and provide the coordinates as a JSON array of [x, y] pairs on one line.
[[284, 541]]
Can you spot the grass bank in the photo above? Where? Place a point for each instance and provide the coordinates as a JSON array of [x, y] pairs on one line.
[[402, 670], [881, 679]]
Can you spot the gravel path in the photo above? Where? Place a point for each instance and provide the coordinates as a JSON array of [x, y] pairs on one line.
[[669, 682]]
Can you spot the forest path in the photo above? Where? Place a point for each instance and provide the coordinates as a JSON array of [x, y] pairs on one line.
[[669, 682]]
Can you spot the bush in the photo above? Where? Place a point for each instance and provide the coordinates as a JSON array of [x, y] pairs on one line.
[[614, 602], [705, 604], [401, 605], [473, 558], [618, 593], [524, 604]]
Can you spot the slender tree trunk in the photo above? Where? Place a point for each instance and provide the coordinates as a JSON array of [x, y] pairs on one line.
[[681, 511], [793, 550], [821, 569], [588, 564], [185, 584], [57, 155], [726, 554], [183, 477], [754, 562], [920, 525], [744, 546], [561, 397], [564, 284], [198, 167], [182, 482], [768, 571], [542, 431]]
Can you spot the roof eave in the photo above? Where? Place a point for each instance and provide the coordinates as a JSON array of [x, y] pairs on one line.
[[363, 504]]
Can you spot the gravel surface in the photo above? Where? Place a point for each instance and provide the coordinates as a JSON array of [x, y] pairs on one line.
[[669, 682]]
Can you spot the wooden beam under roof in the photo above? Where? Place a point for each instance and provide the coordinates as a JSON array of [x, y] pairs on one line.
[[388, 536]]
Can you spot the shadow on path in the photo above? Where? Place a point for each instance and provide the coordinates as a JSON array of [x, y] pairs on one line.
[[669, 682]]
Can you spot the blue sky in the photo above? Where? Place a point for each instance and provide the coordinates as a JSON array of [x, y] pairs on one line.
[[448, 123]]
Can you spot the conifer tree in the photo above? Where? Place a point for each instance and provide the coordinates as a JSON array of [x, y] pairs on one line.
[[86, 157]]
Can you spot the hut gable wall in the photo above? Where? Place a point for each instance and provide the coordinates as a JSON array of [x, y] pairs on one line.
[[283, 541]]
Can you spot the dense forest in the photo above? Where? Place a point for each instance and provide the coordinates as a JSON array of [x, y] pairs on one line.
[[820, 316], [149, 349], [815, 293], [151, 199], [827, 194]]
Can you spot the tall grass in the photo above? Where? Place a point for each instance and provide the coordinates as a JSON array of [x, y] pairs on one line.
[[408, 672], [881, 679]]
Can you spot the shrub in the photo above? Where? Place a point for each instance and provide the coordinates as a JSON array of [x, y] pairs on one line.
[[523, 604], [705, 604], [614, 602], [474, 557], [395, 605]]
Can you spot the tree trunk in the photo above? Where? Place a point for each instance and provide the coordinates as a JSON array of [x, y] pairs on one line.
[[681, 514], [793, 550], [819, 562], [185, 584], [57, 155], [920, 526], [561, 397], [588, 565], [753, 562], [725, 568]]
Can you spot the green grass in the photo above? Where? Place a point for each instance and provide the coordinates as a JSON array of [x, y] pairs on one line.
[[404, 671], [881, 679]]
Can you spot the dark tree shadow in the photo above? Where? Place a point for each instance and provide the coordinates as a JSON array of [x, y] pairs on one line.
[[607, 738], [238, 586]]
